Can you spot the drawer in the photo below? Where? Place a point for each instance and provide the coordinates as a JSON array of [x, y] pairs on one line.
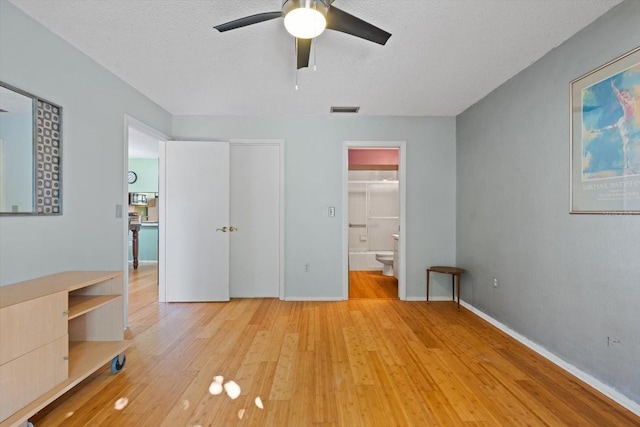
[[31, 324], [28, 377]]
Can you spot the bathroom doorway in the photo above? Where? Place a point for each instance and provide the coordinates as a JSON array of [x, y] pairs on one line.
[[374, 200]]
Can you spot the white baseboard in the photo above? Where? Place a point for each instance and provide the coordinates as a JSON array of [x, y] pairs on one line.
[[431, 299], [342, 299], [587, 378], [313, 299]]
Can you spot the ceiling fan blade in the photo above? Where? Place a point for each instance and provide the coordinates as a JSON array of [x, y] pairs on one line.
[[339, 20], [303, 50], [248, 20]]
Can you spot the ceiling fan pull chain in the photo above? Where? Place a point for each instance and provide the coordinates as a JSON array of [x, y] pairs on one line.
[[314, 42], [296, 68]]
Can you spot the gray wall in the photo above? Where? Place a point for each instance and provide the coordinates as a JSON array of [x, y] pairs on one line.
[[566, 282], [313, 182], [94, 101]]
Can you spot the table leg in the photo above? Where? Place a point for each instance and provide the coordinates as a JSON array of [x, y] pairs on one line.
[[453, 287], [135, 249], [428, 285], [458, 279]]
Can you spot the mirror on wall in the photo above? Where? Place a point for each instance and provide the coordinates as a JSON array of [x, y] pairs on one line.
[[30, 154]]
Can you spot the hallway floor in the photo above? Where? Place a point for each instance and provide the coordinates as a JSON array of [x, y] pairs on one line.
[[372, 284]]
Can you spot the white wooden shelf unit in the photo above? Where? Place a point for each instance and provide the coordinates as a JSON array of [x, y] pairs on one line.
[[55, 331]]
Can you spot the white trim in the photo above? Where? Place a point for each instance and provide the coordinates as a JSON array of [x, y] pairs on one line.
[[402, 177], [143, 127], [313, 299], [587, 378], [424, 299], [137, 124], [2, 178], [280, 144], [162, 218]]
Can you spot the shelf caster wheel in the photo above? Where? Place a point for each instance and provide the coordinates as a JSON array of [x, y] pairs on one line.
[[116, 364]]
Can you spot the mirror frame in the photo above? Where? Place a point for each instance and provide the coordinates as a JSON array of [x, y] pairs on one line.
[[47, 156]]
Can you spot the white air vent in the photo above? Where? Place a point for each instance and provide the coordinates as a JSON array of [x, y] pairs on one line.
[[345, 109]]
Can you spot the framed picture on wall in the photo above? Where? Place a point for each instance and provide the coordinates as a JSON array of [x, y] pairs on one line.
[[605, 138]]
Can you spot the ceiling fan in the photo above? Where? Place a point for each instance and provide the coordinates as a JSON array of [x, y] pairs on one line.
[[307, 19]]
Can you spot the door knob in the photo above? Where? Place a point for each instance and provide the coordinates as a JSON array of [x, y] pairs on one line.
[[223, 229], [232, 229]]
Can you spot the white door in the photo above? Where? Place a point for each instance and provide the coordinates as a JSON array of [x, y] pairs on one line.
[[196, 205], [255, 211]]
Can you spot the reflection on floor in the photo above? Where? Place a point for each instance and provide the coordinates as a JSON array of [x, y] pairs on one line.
[[372, 284]]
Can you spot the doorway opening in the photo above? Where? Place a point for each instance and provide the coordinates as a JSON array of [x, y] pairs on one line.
[[374, 200], [140, 205]]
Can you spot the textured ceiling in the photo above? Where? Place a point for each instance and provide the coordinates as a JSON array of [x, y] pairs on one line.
[[443, 56]]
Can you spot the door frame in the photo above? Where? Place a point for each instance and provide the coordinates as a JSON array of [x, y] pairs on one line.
[[154, 133], [402, 178], [2, 178]]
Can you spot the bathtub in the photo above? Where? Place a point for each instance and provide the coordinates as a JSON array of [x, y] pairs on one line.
[[364, 260]]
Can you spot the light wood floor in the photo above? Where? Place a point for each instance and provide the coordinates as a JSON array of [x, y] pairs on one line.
[[372, 284], [362, 362]]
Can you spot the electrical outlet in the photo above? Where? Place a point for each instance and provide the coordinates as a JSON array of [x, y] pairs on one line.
[[307, 268], [495, 282]]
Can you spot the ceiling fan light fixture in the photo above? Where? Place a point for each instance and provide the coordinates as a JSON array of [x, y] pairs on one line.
[[305, 19]]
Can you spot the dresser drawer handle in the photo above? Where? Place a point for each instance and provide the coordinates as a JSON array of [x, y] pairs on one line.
[[65, 313], [65, 357]]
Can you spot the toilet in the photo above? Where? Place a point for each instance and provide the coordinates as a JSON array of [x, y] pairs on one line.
[[386, 258]]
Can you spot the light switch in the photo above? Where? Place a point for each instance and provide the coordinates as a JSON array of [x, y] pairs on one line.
[[332, 211]]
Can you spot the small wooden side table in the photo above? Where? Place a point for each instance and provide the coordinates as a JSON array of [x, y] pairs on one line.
[[455, 274]]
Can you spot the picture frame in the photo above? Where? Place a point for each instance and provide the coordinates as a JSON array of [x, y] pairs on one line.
[[605, 138]]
